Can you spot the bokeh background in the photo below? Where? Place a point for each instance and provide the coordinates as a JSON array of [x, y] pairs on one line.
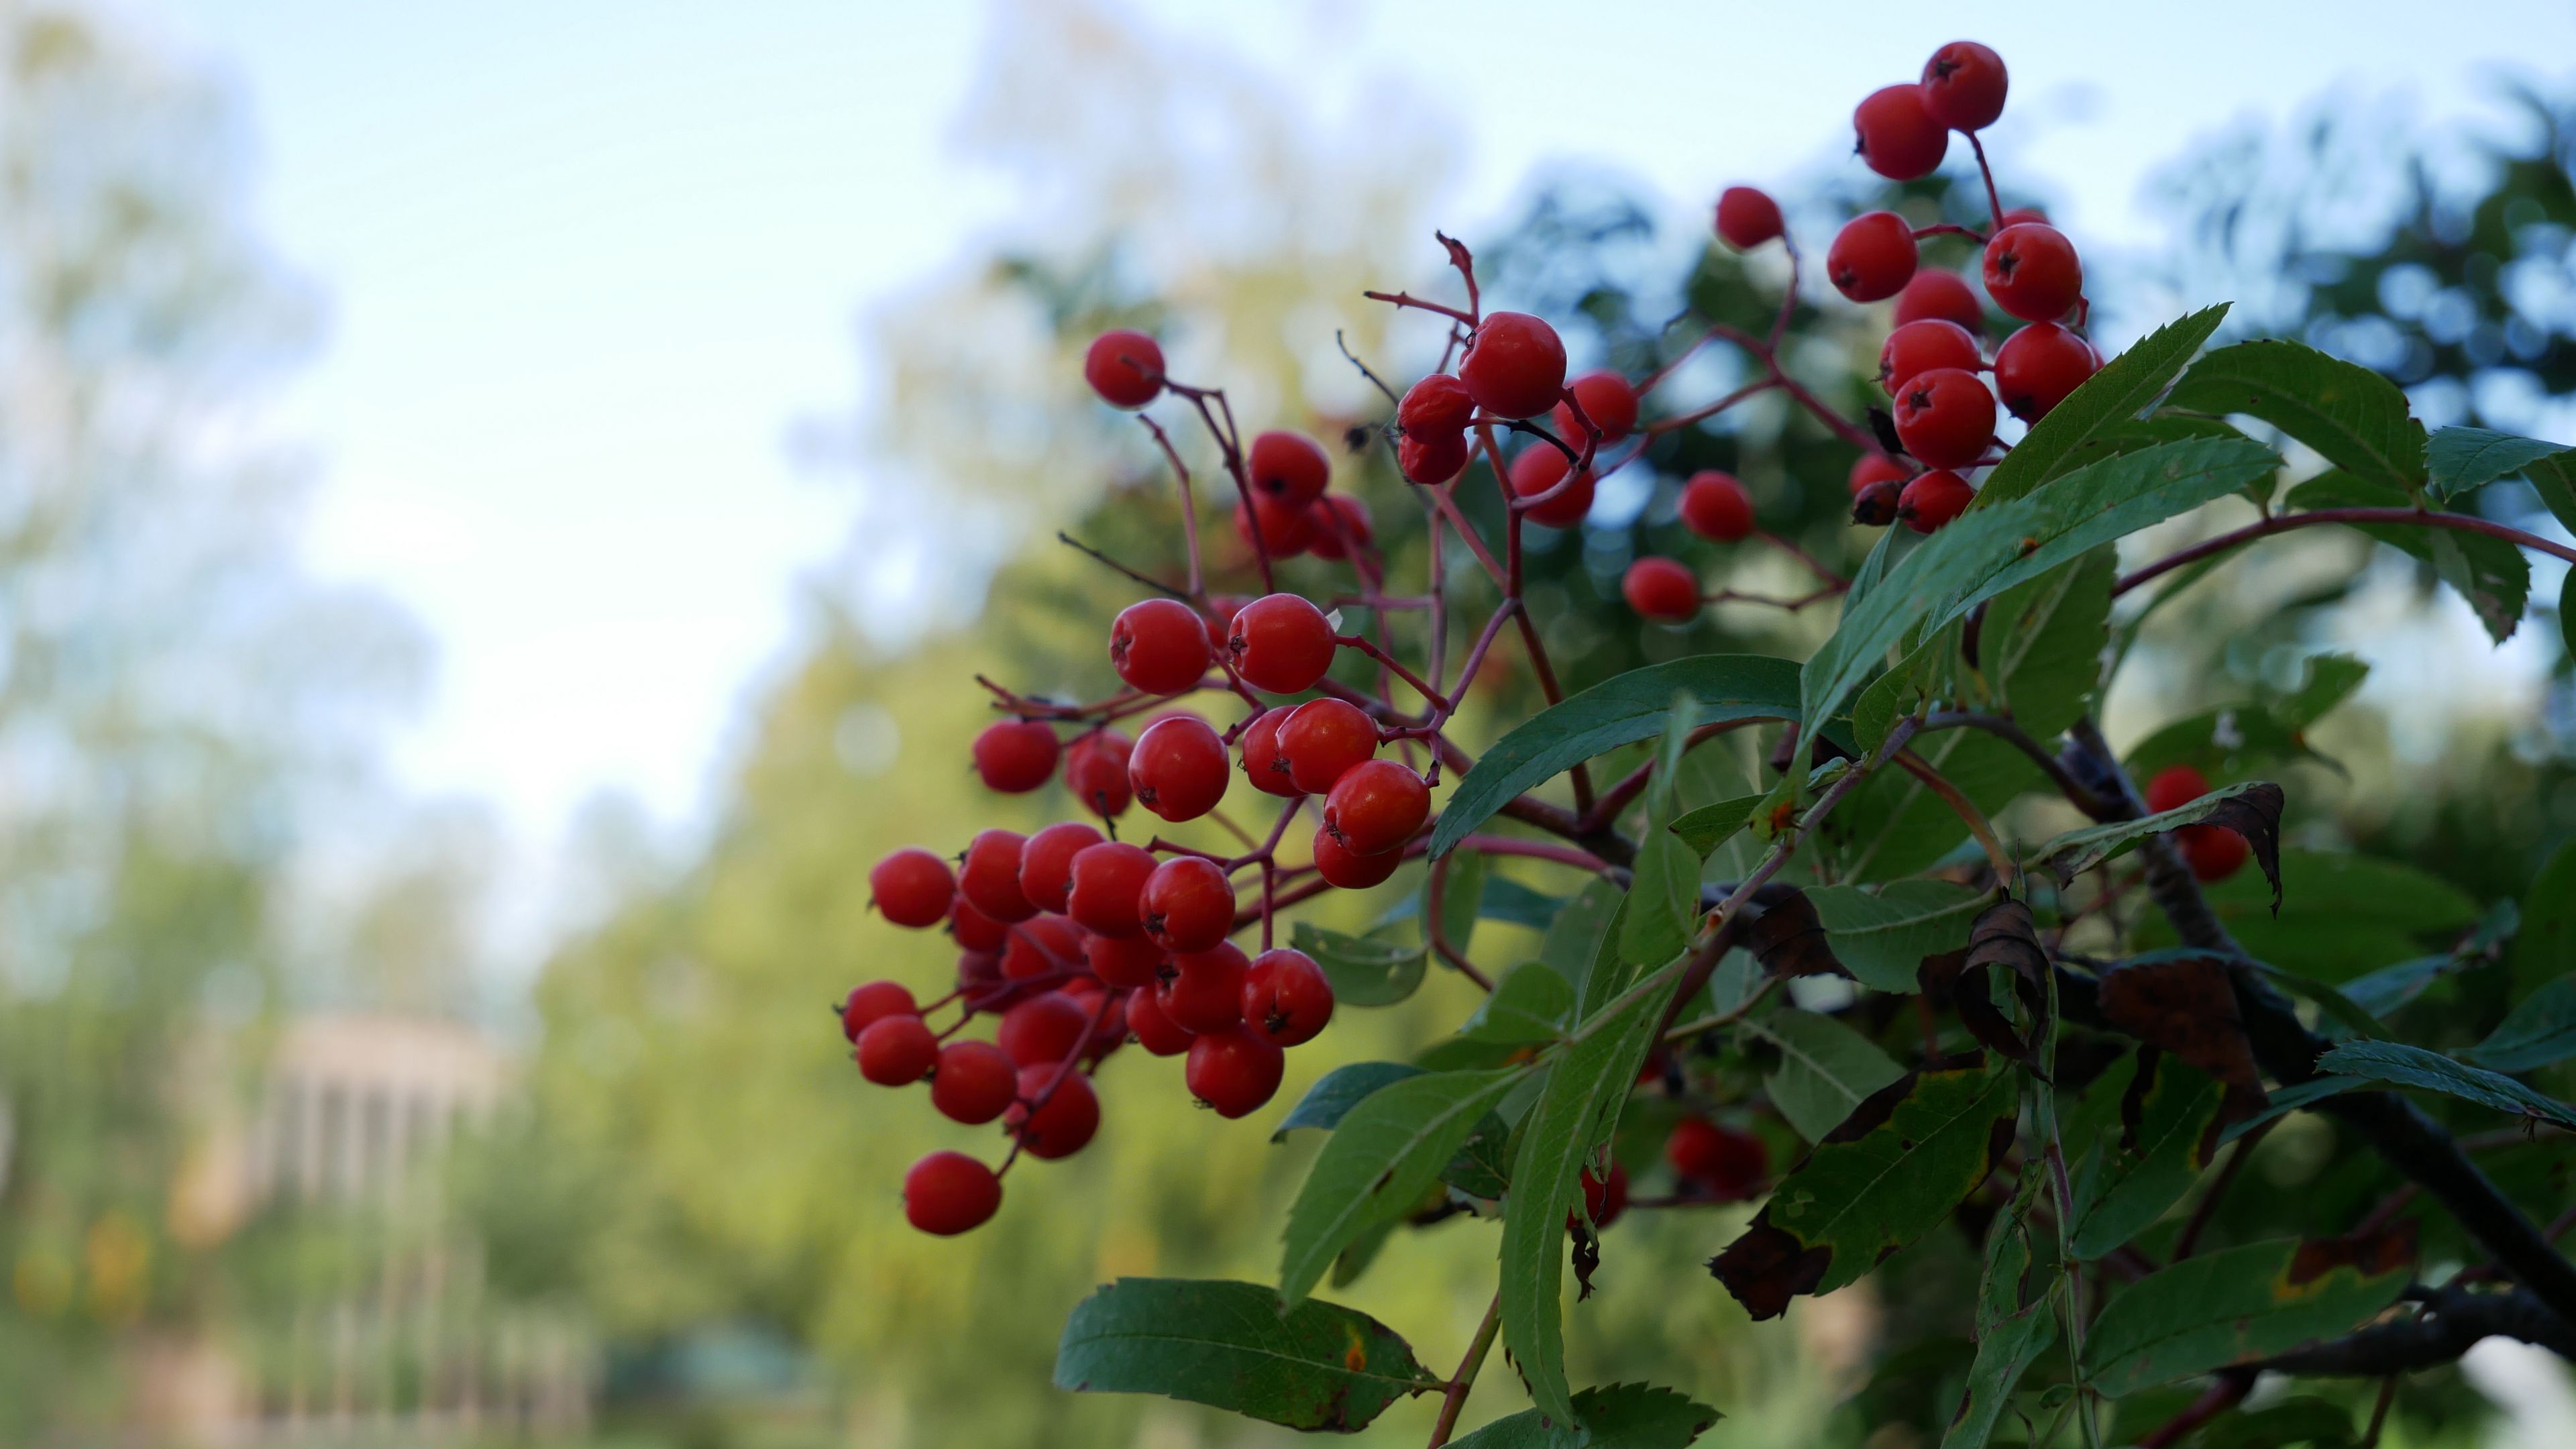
[[500, 504]]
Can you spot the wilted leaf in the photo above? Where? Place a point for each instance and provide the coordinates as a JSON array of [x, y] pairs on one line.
[[1620, 1416], [1826, 1069], [1363, 971], [2353, 416], [2251, 808], [1782, 931], [2412, 1066], [1386, 1152], [2002, 937], [1883, 936], [2242, 1304], [1229, 1345], [2184, 1002]]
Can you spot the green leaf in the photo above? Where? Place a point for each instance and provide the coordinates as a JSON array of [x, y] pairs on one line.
[[1618, 711], [1228, 1345], [2462, 460], [1826, 1069], [1892, 546], [1578, 1107], [1606, 974], [2228, 1307], [2339, 1008], [2353, 416], [1883, 935], [1362, 970], [1892, 1172], [2545, 949], [2317, 1423], [2230, 740], [2130, 1178], [1664, 778], [1620, 1416], [2540, 1032], [1711, 826], [2042, 643], [2412, 1066], [1663, 904], [2286, 1100], [1576, 934], [1378, 1163], [2111, 398], [2004, 1353], [2488, 572], [1509, 901], [1462, 898], [2327, 680], [2342, 915], [1339, 1090], [1893, 826], [1483, 1164], [1530, 1003]]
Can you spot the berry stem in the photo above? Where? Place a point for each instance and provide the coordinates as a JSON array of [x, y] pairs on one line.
[[2402, 517], [1789, 297], [1465, 261], [1407, 299], [1078, 546], [1353, 360], [1461, 1382], [1823, 574], [1994, 203], [1738, 596], [2007, 872], [1189, 506], [1946, 228], [1616, 798], [1678, 421], [1368, 646]]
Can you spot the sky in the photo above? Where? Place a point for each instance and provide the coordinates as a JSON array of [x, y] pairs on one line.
[[587, 263]]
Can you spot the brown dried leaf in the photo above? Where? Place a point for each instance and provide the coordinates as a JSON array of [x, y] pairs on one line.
[[2185, 1003], [1786, 936]]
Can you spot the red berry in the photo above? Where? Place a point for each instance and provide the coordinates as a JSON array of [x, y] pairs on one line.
[[1263, 763], [1107, 879], [1095, 770], [1375, 807], [1603, 1199], [1340, 524], [1872, 257], [1934, 499], [1286, 1000], [1289, 467], [896, 1050], [1015, 755], [1281, 643], [1159, 646], [1877, 468], [1187, 904], [1233, 1071], [1945, 417], [1919, 347], [1437, 404], [1346, 870], [1963, 86], [1431, 458], [1720, 1163], [2019, 214], [974, 930], [979, 977], [912, 887], [1125, 368], [1515, 367], [1042, 1030], [1540, 467], [1156, 1032], [1608, 402], [1322, 738], [2174, 787], [1943, 296], [2032, 271], [973, 1082], [1896, 135], [948, 1193], [1129, 963], [2038, 366], [1046, 862], [1178, 767], [1063, 1126], [1047, 946], [1286, 531], [1661, 588], [1877, 505], [869, 1004], [1107, 1010], [1746, 217], [1204, 991], [2213, 852], [990, 880], [1716, 507]]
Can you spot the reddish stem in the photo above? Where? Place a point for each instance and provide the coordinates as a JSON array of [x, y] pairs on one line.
[[2400, 517]]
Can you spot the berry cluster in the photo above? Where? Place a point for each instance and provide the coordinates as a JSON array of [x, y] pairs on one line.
[[2213, 852]]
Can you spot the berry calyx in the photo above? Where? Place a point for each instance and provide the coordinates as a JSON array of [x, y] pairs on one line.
[[2032, 271], [1095, 770], [897, 1050], [1541, 467], [1877, 468], [1945, 417], [912, 887], [1156, 1032], [1661, 588], [1609, 403], [1437, 404], [1323, 738], [1065, 1124], [1716, 507], [1918, 347], [973, 1083], [1204, 991], [1042, 1030], [1896, 135], [1264, 764], [1934, 499], [1234, 1071], [1014, 756], [1431, 458], [869, 1004], [1159, 646], [1945, 296], [1281, 643], [2038, 366], [1872, 257], [990, 879], [1107, 879], [1125, 368], [1747, 217], [1515, 367], [1129, 963], [1187, 904], [1288, 467], [948, 1193], [1286, 1000], [1286, 528], [1339, 524], [1963, 86], [1046, 862], [1178, 768], [1345, 869], [1375, 807]]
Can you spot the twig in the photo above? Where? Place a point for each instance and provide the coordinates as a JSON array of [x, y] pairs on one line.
[[2400, 517], [1464, 1380]]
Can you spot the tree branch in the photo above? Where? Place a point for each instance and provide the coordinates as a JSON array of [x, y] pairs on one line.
[[2453, 1321]]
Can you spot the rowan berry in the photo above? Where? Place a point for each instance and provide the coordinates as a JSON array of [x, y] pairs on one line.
[[912, 887], [1896, 135], [1938, 295], [1375, 807], [979, 978], [1125, 368], [1747, 217], [1263, 763], [1289, 467], [2032, 271], [2038, 366], [1339, 524], [1159, 646], [869, 1004], [1107, 879], [896, 1050], [1129, 963], [1187, 904], [1604, 1198], [1723, 1164], [1515, 367], [1156, 1032], [1438, 403], [1046, 946], [1179, 767], [1661, 588], [1095, 770], [1876, 505], [1945, 417], [2213, 852], [1609, 403], [1919, 347], [1431, 458], [1286, 1000], [1877, 468], [2174, 787], [973, 930], [1065, 1123], [1204, 990], [1234, 1071], [1872, 257], [1046, 862], [1321, 739], [1281, 643], [1345, 869], [1716, 507], [2019, 214], [1963, 86], [1286, 530], [1106, 1010], [948, 1193], [1015, 756], [1042, 1030], [1540, 467], [1934, 499], [973, 1082], [990, 879]]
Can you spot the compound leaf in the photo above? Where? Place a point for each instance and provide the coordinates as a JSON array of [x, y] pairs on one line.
[[1380, 1160], [2353, 416], [1826, 1069], [2241, 1304], [2413, 1066], [1229, 1345]]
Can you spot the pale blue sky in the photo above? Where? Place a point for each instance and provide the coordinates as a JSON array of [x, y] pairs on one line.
[[587, 261]]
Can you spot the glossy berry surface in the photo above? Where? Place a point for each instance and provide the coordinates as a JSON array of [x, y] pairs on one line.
[[1431, 458], [1155, 1032], [1877, 468], [1179, 768], [990, 878], [1872, 257], [1338, 523], [1937, 295], [2038, 366], [1066, 1112], [1945, 417], [1043, 1029], [1234, 1071], [1286, 1000], [873, 1002], [1203, 992], [1186, 905], [895, 1050], [1107, 879], [2213, 852], [1877, 503], [1662, 589], [1289, 467], [1263, 762], [2174, 787], [1046, 862], [948, 1193], [1747, 217], [1285, 529], [912, 888], [1715, 506], [1541, 467], [1438, 403], [1515, 367], [1322, 739], [974, 930], [1934, 499], [1376, 807], [1014, 756], [1095, 770], [1896, 135], [1159, 646], [1281, 643], [2032, 272], [1918, 347], [1044, 946], [1345, 869], [1128, 963], [973, 1083], [1963, 86], [1125, 368], [1609, 404]]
